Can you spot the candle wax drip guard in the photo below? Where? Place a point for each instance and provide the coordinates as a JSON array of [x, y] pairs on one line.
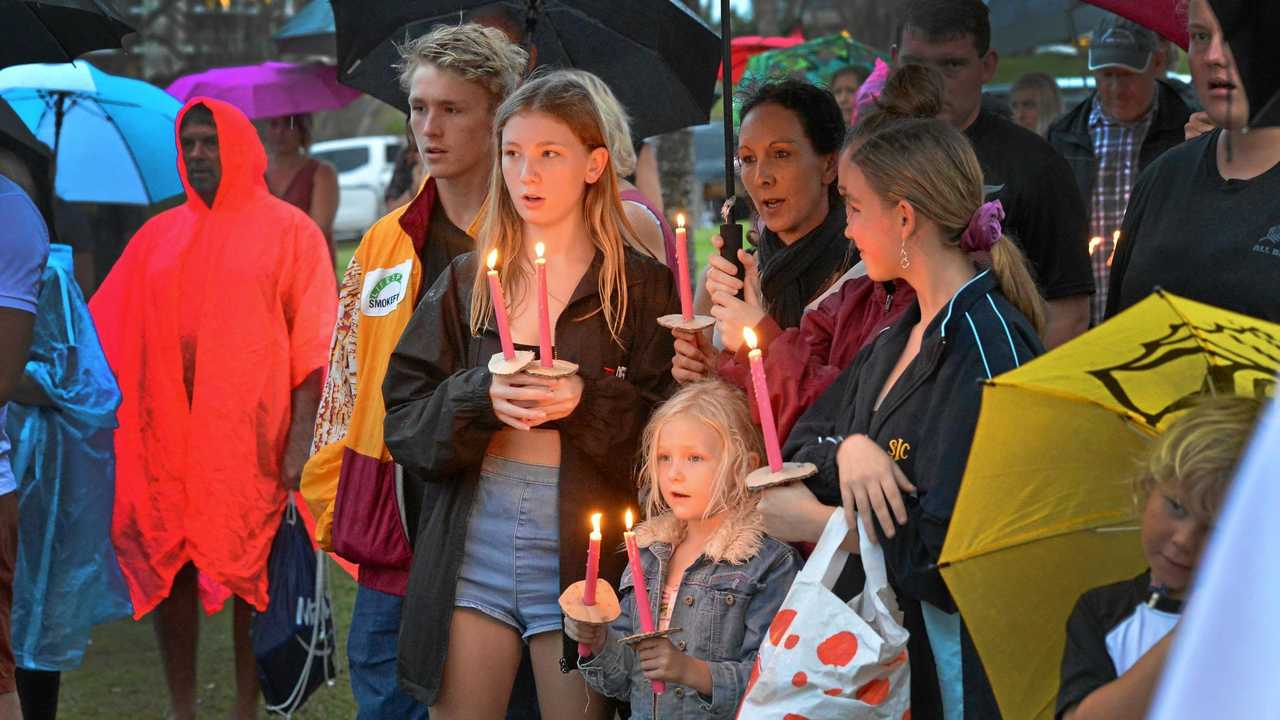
[[638, 637], [559, 368], [677, 322], [500, 365], [765, 477], [605, 610]]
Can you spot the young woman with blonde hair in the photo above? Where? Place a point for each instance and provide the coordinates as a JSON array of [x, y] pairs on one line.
[[892, 435], [516, 464]]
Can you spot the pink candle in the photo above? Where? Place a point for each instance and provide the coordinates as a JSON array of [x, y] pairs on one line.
[[500, 308], [544, 313], [643, 611], [593, 574], [761, 387], [682, 268]]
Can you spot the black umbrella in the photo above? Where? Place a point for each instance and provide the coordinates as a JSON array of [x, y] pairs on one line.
[[659, 58], [55, 31], [730, 232], [1250, 28]]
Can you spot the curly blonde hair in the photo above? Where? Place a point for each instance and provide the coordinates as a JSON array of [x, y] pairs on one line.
[[722, 408], [1196, 456], [477, 53]]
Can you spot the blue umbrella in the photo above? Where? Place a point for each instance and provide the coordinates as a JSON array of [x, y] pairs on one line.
[[309, 32], [113, 137]]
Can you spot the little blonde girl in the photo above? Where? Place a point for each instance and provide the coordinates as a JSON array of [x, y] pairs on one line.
[[710, 569]]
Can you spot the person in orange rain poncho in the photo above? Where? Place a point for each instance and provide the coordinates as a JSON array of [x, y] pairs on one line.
[[216, 322]]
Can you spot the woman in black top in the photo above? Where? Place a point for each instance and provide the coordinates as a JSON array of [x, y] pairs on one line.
[[787, 146], [892, 435], [570, 443], [1203, 221]]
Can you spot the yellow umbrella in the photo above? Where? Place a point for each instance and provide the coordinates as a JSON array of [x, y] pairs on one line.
[[1046, 510]]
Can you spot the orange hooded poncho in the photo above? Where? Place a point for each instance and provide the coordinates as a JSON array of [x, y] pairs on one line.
[[247, 286]]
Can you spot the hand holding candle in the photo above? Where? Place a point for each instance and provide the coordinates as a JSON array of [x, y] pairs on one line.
[[545, 357], [593, 574], [644, 612], [500, 308], [761, 387]]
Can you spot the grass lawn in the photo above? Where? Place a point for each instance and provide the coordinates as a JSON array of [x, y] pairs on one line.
[[122, 676]]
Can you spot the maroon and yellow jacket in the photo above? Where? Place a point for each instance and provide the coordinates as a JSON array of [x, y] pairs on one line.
[[351, 483]]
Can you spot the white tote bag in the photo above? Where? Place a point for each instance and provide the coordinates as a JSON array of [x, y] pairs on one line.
[[827, 659]]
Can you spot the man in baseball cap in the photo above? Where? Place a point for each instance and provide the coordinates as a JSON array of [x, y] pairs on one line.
[[1129, 121]]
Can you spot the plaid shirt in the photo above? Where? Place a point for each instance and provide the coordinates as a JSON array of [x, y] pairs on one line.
[[1115, 151]]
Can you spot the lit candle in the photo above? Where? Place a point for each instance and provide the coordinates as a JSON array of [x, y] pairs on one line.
[[500, 308], [593, 572], [1115, 243], [544, 314], [643, 611], [682, 269], [761, 387]]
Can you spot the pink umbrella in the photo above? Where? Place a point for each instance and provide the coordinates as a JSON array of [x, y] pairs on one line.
[[745, 47], [1158, 15], [271, 89]]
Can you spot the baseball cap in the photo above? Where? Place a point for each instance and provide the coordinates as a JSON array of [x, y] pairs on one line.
[[1118, 42]]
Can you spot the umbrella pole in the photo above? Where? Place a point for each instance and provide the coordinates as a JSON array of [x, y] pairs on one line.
[[59, 112], [730, 231]]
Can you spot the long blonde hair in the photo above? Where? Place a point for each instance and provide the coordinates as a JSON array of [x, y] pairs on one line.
[[566, 99], [931, 165], [723, 409]]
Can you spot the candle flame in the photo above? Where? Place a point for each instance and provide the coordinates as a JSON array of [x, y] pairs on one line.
[[1094, 242], [539, 249], [493, 258], [749, 337], [628, 521], [595, 523], [1115, 236], [680, 220]]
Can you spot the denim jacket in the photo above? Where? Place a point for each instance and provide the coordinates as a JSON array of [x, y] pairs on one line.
[[726, 600]]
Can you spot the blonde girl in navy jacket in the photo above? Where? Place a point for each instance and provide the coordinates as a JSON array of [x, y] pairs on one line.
[[891, 437]]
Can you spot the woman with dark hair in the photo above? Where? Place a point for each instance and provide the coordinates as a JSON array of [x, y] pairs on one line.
[[791, 132], [297, 178]]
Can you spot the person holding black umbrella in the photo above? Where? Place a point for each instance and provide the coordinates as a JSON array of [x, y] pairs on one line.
[[1204, 220]]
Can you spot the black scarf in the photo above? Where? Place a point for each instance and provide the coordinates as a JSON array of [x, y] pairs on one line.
[[793, 275]]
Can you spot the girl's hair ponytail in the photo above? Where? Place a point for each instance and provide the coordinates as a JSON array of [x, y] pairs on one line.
[[1011, 269]]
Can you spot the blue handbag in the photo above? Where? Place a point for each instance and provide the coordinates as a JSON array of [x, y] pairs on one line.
[[294, 640]]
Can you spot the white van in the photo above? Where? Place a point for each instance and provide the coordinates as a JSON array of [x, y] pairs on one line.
[[364, 166]]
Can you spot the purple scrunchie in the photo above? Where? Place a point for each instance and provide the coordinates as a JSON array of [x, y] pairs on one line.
[[984, 229]]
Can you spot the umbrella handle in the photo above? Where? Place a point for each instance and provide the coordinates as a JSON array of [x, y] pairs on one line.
[[731, 234]]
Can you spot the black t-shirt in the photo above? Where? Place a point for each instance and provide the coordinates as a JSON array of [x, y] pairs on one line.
[[1044, 212], [1109, 630], [445, 241], [1191, 232]]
